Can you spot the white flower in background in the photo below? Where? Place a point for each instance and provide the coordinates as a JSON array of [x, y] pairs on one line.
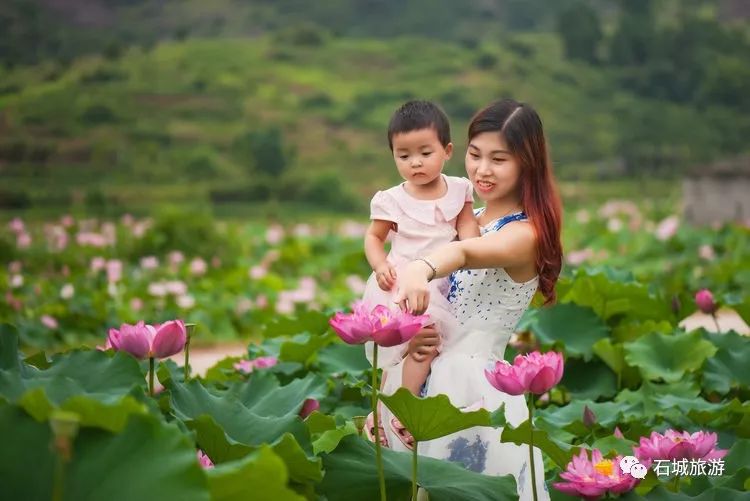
[[355, 284], [616, 207], [257, 272], [176, 258], [57, 238], [198, 266], [176, 287], [16, 225], [157, 289], [49, 322], [271, 256], [114, 270], [136, 304], [149, 262], [23, 240], [67, 291], [243, 306], [112, 289], [87, 238], [16, 281], [706, 252], [140, 228], [67, 221], [274, 234], [352, 229], [576, 258], [667, 228], [185, 302], [614, 225], [284, 304], [583, 216], [98, 263], [109, 232], [302, 230]]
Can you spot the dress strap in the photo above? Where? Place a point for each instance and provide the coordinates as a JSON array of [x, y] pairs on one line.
[[518, 216]]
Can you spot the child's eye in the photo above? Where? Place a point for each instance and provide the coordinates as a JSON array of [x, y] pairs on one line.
[[498, 160], [403, 157], [426, 153], [474, 156]]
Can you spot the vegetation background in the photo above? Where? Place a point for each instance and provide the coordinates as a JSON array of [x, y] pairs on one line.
[[272, 107]]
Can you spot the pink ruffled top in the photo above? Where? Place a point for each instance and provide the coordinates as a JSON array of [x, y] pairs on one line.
[[421, 225]]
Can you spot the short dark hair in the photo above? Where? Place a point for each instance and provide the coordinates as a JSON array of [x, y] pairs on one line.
[[416, 115]]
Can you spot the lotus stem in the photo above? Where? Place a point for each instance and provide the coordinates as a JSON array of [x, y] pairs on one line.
[[531, 446], [378, 452]]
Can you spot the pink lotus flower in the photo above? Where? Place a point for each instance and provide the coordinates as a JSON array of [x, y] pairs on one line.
[[705, 301], [49, 322], [204, 460], [146, 341], [379, 324], [248, 366], [16, 225], [678, 445], [198, 266], [534, 372], [706, 252], [593, 478], [274, 234], [23, 240], [149, 262], [667, 228], [308, 407]]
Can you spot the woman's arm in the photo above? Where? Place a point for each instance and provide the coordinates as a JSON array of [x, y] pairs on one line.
[[512, 246], [466, 223], [375, 252]]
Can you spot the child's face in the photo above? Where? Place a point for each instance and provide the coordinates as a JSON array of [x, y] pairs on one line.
[[419, 155], [493, 171]]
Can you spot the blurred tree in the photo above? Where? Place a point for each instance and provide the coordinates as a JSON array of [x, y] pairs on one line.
[[581, 32], [263, 150], [634, 35]]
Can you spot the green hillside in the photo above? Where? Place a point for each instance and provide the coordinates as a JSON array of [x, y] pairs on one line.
[[300, 115]]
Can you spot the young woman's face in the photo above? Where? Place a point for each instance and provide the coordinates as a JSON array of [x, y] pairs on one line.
[[493, 171]]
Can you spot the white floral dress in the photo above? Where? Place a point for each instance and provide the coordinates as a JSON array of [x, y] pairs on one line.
[[487, 305]]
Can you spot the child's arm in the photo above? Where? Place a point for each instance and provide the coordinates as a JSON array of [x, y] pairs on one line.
[[466, 223], [375, 237]]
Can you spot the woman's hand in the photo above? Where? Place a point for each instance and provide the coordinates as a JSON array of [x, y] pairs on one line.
[[424, 344], [413, 294]]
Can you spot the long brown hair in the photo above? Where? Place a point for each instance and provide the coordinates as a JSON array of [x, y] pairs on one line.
[[521, 128]]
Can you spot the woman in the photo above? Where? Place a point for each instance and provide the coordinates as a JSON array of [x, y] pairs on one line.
[[493, 279]]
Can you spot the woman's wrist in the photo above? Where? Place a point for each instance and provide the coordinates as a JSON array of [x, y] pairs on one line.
[[429, 266]]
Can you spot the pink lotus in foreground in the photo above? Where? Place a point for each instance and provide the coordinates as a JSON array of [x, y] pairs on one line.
[[592, 479], [678, 445], [379, 324], [204, 460], [308, 407], [535, 373], [147, 341]]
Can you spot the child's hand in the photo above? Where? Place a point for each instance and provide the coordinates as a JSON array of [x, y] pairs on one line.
[[385, 274]]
